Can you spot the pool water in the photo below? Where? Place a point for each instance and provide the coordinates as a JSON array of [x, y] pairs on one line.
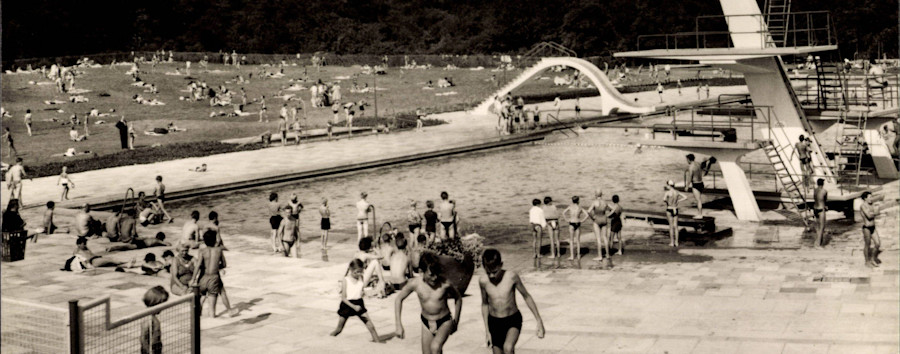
[[493, 189]]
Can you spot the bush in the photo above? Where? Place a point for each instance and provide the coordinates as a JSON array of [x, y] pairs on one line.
[[460, 248]]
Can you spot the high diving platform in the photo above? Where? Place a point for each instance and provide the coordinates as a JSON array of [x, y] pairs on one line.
[[776, 118]]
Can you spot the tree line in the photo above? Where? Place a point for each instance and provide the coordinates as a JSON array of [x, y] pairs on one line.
[[43, 28]]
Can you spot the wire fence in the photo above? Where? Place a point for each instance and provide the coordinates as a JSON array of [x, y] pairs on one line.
[[32, 328], [165, 328]]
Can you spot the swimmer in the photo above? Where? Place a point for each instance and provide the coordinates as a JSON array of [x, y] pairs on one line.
[[671, 199], [575, 215], [615, 224], [502, 320], [325, 222]]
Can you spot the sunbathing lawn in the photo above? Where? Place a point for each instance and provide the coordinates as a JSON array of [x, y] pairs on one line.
[[399, 92]]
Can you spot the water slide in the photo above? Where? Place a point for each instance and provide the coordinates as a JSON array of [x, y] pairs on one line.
[[611, 100]]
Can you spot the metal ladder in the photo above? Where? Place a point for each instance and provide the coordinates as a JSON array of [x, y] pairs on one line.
[[851, 146], [830, 86], [777, 21], [785, 175]]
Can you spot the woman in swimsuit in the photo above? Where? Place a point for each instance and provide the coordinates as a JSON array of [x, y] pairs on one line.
[[615, 223], [575, 215], [597, 212], [274, 221], [672, 198]]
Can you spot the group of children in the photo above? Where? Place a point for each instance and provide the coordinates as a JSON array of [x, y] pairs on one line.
[[606, 221], [513, 117], [502, 320]]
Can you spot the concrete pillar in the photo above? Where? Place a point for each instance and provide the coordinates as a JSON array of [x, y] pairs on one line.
[[881, 156], [745, 206]]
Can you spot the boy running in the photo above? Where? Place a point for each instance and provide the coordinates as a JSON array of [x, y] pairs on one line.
[[352, 299], [433, 291], [502, 320]]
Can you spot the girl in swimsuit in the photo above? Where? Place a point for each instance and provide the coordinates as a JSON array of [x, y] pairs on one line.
[[597, 211], [615, 223], [672, 198], [415, 222], [575, 215]]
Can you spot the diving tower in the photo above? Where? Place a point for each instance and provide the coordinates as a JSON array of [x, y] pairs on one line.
[[752, 48], [611, 100]]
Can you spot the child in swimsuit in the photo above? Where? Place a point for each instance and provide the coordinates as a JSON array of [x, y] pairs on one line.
[[325, 223], [432, 290], [615, 223], [352, 301], [431, 219], [362, 217], [503, 320], [287, 232], [66, 184], [415, 221], [671, 199], [575, 215], [551, 214], [598, 211]]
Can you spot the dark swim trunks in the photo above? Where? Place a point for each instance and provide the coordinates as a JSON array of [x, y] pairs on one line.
[[805, 160], [615, 225], [211, 284], [870, 228], [447, 226], [437, 324], [346, 311], [325, 224], [672, 211], [575, 225], [499, 327], [816, 212], [698, 186], [413, 227], [275, 221]]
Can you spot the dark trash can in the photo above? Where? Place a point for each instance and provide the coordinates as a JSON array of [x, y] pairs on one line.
[[13, 246]]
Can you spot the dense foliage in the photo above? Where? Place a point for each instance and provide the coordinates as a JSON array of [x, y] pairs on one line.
[[43, 28]]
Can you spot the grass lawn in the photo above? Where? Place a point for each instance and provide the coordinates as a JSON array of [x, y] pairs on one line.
[[400, 93]]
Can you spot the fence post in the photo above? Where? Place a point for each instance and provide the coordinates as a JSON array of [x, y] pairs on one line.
[[195, 321], [75, 345]]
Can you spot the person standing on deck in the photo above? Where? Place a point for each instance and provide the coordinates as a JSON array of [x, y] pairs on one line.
[[819, 209], [671, 199], [362, 216], [694, 175], [871, 240], [801, 148]]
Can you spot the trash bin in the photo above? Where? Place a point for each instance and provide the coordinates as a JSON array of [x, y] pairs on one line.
[[13, 246]]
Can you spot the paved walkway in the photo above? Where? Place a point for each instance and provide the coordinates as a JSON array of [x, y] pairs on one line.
[[463, 129]]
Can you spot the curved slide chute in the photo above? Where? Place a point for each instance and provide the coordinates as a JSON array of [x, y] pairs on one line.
[[610, 98]]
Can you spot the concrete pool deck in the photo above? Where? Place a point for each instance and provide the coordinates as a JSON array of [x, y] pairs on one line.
[[655, 299]]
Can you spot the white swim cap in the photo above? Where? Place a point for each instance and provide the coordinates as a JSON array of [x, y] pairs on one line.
[[670, 183]]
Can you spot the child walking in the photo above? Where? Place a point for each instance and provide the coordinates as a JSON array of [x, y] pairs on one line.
[[502, 319], [433, 290], [66, 184], [351, 299]]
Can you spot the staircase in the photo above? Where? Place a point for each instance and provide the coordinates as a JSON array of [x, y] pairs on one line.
[[788, 180], [830, 84], [777, 21], [851, 146], [510, 85]]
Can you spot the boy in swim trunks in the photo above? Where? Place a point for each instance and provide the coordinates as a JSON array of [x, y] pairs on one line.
[[362, 216], [447, 215], [575, 215], [551, 214], [287, 232], [400, 266], [801, 148], [210, 260], [414, 219], [537, 224], [671, 199], [871, 240], [431, 219], [325, 223], [695, 173], [502, 320], [274, 221], [819, 208], [433, 290], [160, 193], [597, 212]]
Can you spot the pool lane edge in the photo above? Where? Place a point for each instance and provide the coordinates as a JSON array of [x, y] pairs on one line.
[[109, 204]]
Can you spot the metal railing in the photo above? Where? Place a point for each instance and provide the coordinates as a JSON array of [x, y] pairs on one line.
[[806, 28], [27, 327], [716, 123], [861, 90]]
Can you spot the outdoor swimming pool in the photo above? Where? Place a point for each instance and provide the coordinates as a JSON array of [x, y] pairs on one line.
[[493, 189]]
